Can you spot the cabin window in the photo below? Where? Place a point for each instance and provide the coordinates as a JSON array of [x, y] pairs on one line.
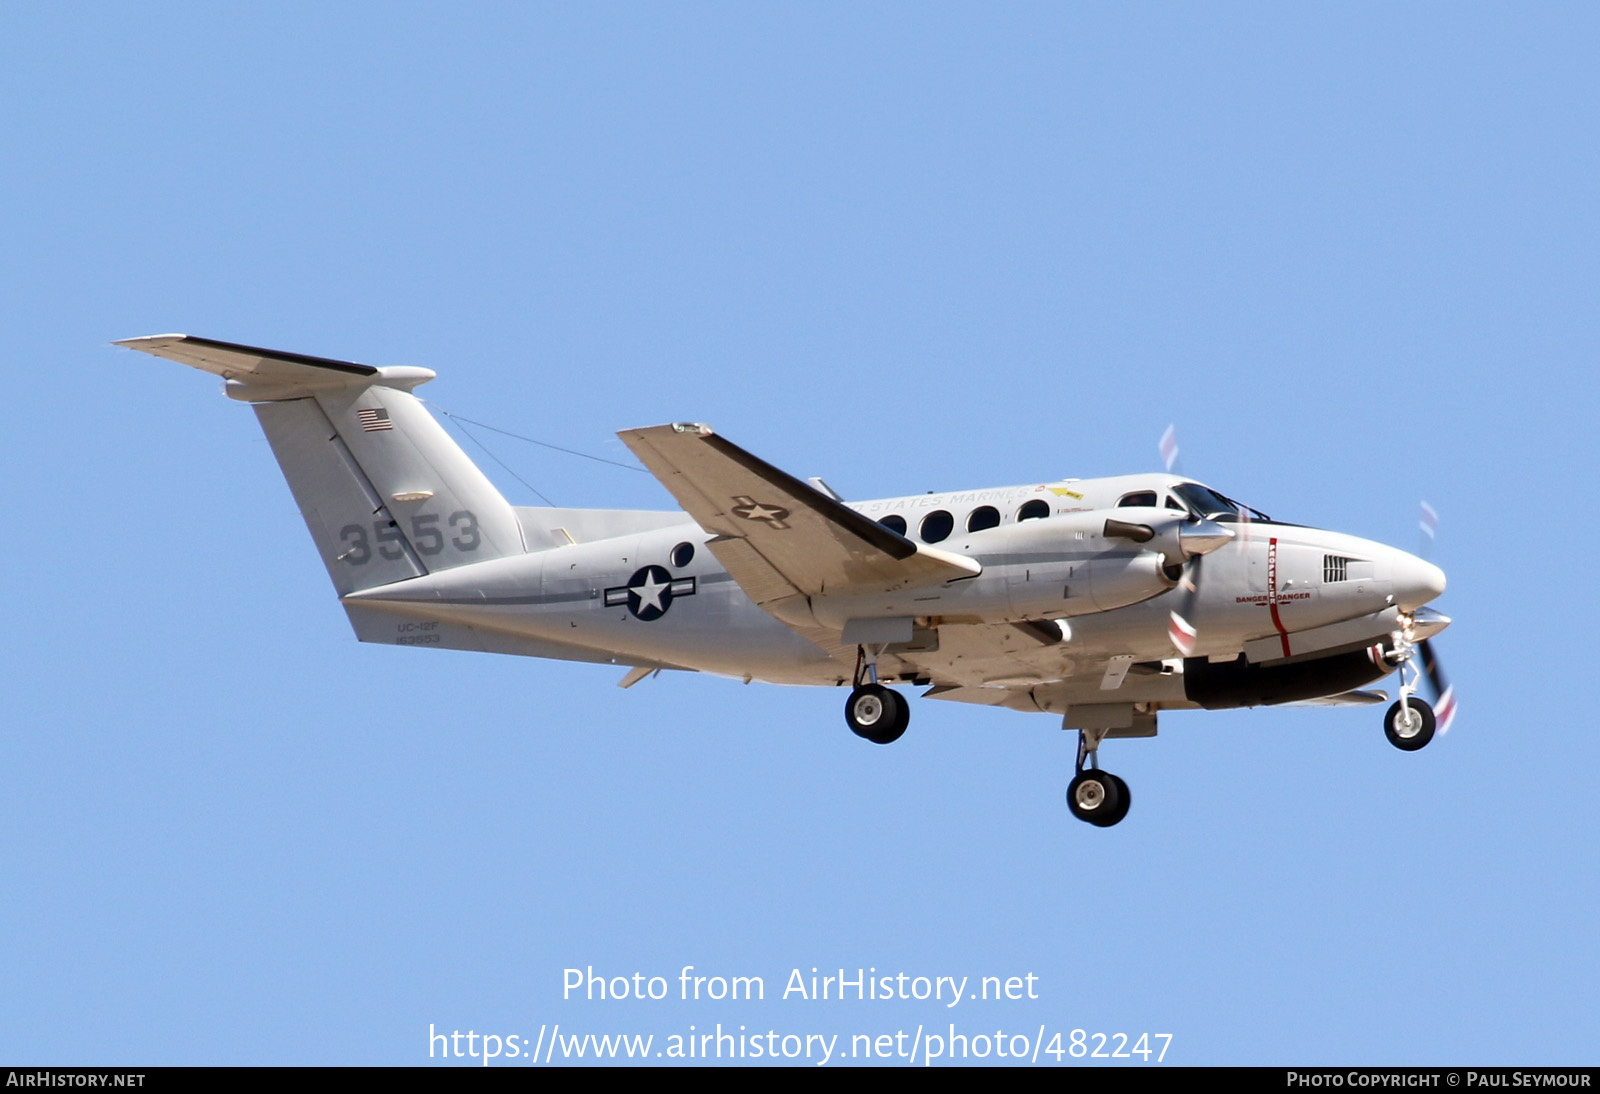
[[1033, 510], [985, 516], [682, 555], [937, 526], [895, 523]]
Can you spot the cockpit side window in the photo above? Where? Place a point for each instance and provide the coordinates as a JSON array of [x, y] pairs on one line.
[[1141, 498], [1174, 503], [1206, 502]]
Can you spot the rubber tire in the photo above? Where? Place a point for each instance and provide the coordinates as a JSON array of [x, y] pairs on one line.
[[1102, 809], [1417, 739], [883, 723], [1124, 800]]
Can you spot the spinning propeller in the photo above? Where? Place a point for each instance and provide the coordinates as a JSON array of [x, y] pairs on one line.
[[1444, 696], [1198, 538], [1183, 634]]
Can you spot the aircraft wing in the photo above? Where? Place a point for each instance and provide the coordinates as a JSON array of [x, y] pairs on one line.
[[781, 538]]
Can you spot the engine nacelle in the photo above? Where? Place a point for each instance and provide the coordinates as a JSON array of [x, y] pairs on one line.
[[1039, 569], [1115, 581]]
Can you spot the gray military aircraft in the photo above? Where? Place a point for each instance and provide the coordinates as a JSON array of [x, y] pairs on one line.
[[1101, 601]]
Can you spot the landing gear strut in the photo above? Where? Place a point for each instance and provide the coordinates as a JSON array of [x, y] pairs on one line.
[[1096, 796], [1410, 723], [874, 712]]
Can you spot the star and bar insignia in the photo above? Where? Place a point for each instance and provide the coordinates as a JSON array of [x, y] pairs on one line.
[[649, 592], [750, 509]]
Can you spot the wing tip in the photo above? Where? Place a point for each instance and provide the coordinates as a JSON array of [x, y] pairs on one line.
[[149, 340], [700, 429]]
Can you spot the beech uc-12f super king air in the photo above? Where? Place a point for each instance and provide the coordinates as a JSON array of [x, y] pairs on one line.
[[1100, 601]]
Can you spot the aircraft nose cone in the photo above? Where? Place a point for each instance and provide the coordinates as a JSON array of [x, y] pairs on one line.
[[1415, 582]]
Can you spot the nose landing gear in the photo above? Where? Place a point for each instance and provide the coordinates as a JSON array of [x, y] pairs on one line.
[[1410, 723]]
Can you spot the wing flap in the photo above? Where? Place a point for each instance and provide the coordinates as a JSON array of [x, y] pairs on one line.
[[758, 578]]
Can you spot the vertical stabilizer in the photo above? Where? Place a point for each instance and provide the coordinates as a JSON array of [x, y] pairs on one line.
[[386, 493]]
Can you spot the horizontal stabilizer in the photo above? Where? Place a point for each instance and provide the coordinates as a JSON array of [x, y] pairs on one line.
[[259, 375]]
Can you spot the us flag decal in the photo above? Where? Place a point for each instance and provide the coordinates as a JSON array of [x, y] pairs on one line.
[[374, 420]]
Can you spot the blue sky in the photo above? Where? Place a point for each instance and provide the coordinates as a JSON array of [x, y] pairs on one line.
[[1350, 252]]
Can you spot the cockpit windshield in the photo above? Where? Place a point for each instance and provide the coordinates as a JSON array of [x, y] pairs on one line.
[[1206, 502]]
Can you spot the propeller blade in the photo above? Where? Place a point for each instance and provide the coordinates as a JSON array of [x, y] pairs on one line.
[[1444, 696], [1182, 634], [1429, 521], [1429, 524], [1169, 446]]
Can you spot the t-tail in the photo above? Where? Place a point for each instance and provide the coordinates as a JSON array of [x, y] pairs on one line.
[[386, 493]]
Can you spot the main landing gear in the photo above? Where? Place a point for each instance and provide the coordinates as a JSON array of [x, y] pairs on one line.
[[1410, 723], [873, 711], [1096, 796]]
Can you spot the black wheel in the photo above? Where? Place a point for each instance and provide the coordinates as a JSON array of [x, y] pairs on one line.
[[1124, 799], [1410, 728], [1097, 797], [877, 713]]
